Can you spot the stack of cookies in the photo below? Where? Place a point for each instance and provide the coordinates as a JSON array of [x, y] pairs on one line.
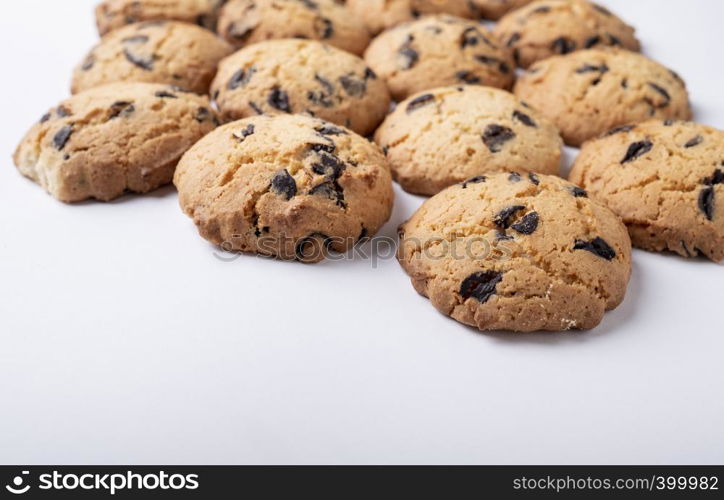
[[283, 124]]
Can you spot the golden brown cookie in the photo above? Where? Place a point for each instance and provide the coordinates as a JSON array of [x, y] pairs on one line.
[[243, 22], [288, 186], [114, 14], [169, 52], [443, 136], [112, 139], [436, 51], [301, 76], [665, 179], [517, 251], [588, 92]]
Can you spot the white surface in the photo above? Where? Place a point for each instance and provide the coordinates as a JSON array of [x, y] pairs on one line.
[[123, 339]]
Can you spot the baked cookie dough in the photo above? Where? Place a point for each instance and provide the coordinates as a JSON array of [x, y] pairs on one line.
[[168, 52], [301, 76], [551, 27], [243, 22], [112, 139], [113, 14], [665, 179], [588, 92], [495, 9], [436, 51], [443, 136], [288, 186], [517, 251]]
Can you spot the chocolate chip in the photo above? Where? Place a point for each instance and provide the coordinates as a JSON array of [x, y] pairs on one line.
[[322, 97], [329, 165], [331, 190], [493, 61], [308, 249], [474, 180], [119, 108], [481, 285], [694, 142], [614, 40], [241, 78], [514, 177], [279, 99], [284, 184], [203, 114], [329, 129], [353, 86], [370, 75], [419, 102], [563, 45], [407, 55], [324, 28], [596, 246], [256, 108], [472, 37], [165, 95], [636, 150], [716, 178], [619, 130], [579, 192], [514, 38], [528, 224], [467, 77], [590, 68], [45, 117], [88, 63], [534, 179], [243, 134], [593, 41], [504, 218], [706, 202], [524, 119], [319, 148], [63, 112], [310, 4], [60, 139], [145, 63], [668, 123], [540, 10], [363, 235], [662, 92], [495, 136]]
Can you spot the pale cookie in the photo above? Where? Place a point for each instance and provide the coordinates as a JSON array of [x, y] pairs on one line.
[[112, 139], [301, 76], [170, 52], [517, 251], [665, 179], [550, 27], [243, 22], [436, 51], [495, 9], [588, 92], [288, 186], [443, 136], [114, 14]]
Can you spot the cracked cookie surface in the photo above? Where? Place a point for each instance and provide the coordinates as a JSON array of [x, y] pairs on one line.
[[301, 76], [114, 14], [112, 139], [588, 92], [517, 251], [551, 27], [170, 52], [436, 51], [288, 186], [665, 179], [243, 22], [443, 136]]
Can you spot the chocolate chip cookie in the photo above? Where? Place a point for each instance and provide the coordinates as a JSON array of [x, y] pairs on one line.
[[288, 186], [112, 139], [588, 92], [552, 27], [243, 22], [443, 136], [113, 14], [436, 51], [517, 251], [167, 52], [665, 179], [301, 76]]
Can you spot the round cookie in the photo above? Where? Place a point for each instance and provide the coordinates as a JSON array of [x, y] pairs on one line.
[[288, 186], [443, 136], [665, 179], [588, 92], [551, 27], [170, 52], [517, 251], [243, 22], [111, 139], [113, 14], [301, 76], [436, 51]]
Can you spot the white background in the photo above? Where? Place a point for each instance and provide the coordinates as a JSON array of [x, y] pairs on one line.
[[123, 339]]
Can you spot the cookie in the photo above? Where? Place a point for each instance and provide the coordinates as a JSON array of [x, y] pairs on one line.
[[171, 52], [111, 139], [495, 9], [287, 186], [552, 27], [665, 179], [114, 14], [243, 22], [517, 251], [588, 92], [443, 136], [436, 51], [301, 76]]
